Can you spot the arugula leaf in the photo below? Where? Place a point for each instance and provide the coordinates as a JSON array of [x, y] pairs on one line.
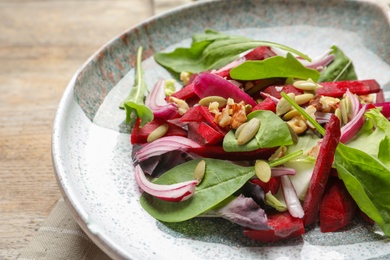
[[212, 50], [274, 67], [134, 103], [368, 181], [273, 132], [340, 69], [221, 180]]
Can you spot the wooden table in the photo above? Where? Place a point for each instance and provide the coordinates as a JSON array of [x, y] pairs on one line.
[[42, 44]]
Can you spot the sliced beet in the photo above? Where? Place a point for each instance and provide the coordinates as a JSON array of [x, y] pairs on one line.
[[210, 135], [272, 185], [321, 171], [185, 93], [358, 87], [202, 114], [266, 104], [337, 208], [139, 134], [259, 53], [276, 90], [283, 226]]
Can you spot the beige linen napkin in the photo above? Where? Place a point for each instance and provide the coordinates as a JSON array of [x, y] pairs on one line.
[[60, 237]]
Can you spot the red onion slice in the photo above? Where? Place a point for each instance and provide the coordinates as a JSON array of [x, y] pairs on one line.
[[163, 145], [208, 84], [349, 130], [173, 192], [279, 171], [290, 196], [157, 103]]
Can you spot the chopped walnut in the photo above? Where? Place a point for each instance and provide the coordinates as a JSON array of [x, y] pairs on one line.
[[324, 103], [329, 104], [233, 115]]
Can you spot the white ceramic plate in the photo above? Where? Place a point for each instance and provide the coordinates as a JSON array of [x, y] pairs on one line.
[[92, 151]]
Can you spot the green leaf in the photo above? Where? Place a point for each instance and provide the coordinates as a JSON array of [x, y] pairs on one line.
[[375, 132], [140, 110], [273, 132], [135, 101], [274, 67], [340, 69], [383, 153], [221, 180], [305, 143], [212, 50], [368, 181]]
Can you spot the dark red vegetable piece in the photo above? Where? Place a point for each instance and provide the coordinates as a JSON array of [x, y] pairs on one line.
[[259, 53], [359, 87], [283, 226], [185, 93], [217, 152], [139, 135], [321, 171], [193, 133], [201, 114], [266, 104], [380, 97], [337, 208], [210, 135], [276, 90], [272, 185]]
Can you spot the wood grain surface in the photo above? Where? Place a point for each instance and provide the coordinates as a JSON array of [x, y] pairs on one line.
[[42, 44]]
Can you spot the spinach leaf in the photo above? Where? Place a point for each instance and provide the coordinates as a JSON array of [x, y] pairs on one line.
[[341, 68], [221, 180], [134, 103], [273, 132], [274, 67], [368, 181], [211, 50]]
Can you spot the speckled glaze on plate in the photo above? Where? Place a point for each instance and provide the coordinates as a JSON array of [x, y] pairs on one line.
[[91, 148]]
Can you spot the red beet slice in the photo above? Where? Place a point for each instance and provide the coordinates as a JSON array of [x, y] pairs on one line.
[[283, 226], [337, 208], [140, 134], [359, 87], [266, 104], [321, 171], [272, 185]]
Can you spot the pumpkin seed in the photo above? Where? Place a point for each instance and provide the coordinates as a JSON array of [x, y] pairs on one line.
[[200, 171], [239, 129], [306, 84], [248, 131], [207, 100], [157, 133], [290, 114], [263, 170], [303, 98], [283, 106]]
